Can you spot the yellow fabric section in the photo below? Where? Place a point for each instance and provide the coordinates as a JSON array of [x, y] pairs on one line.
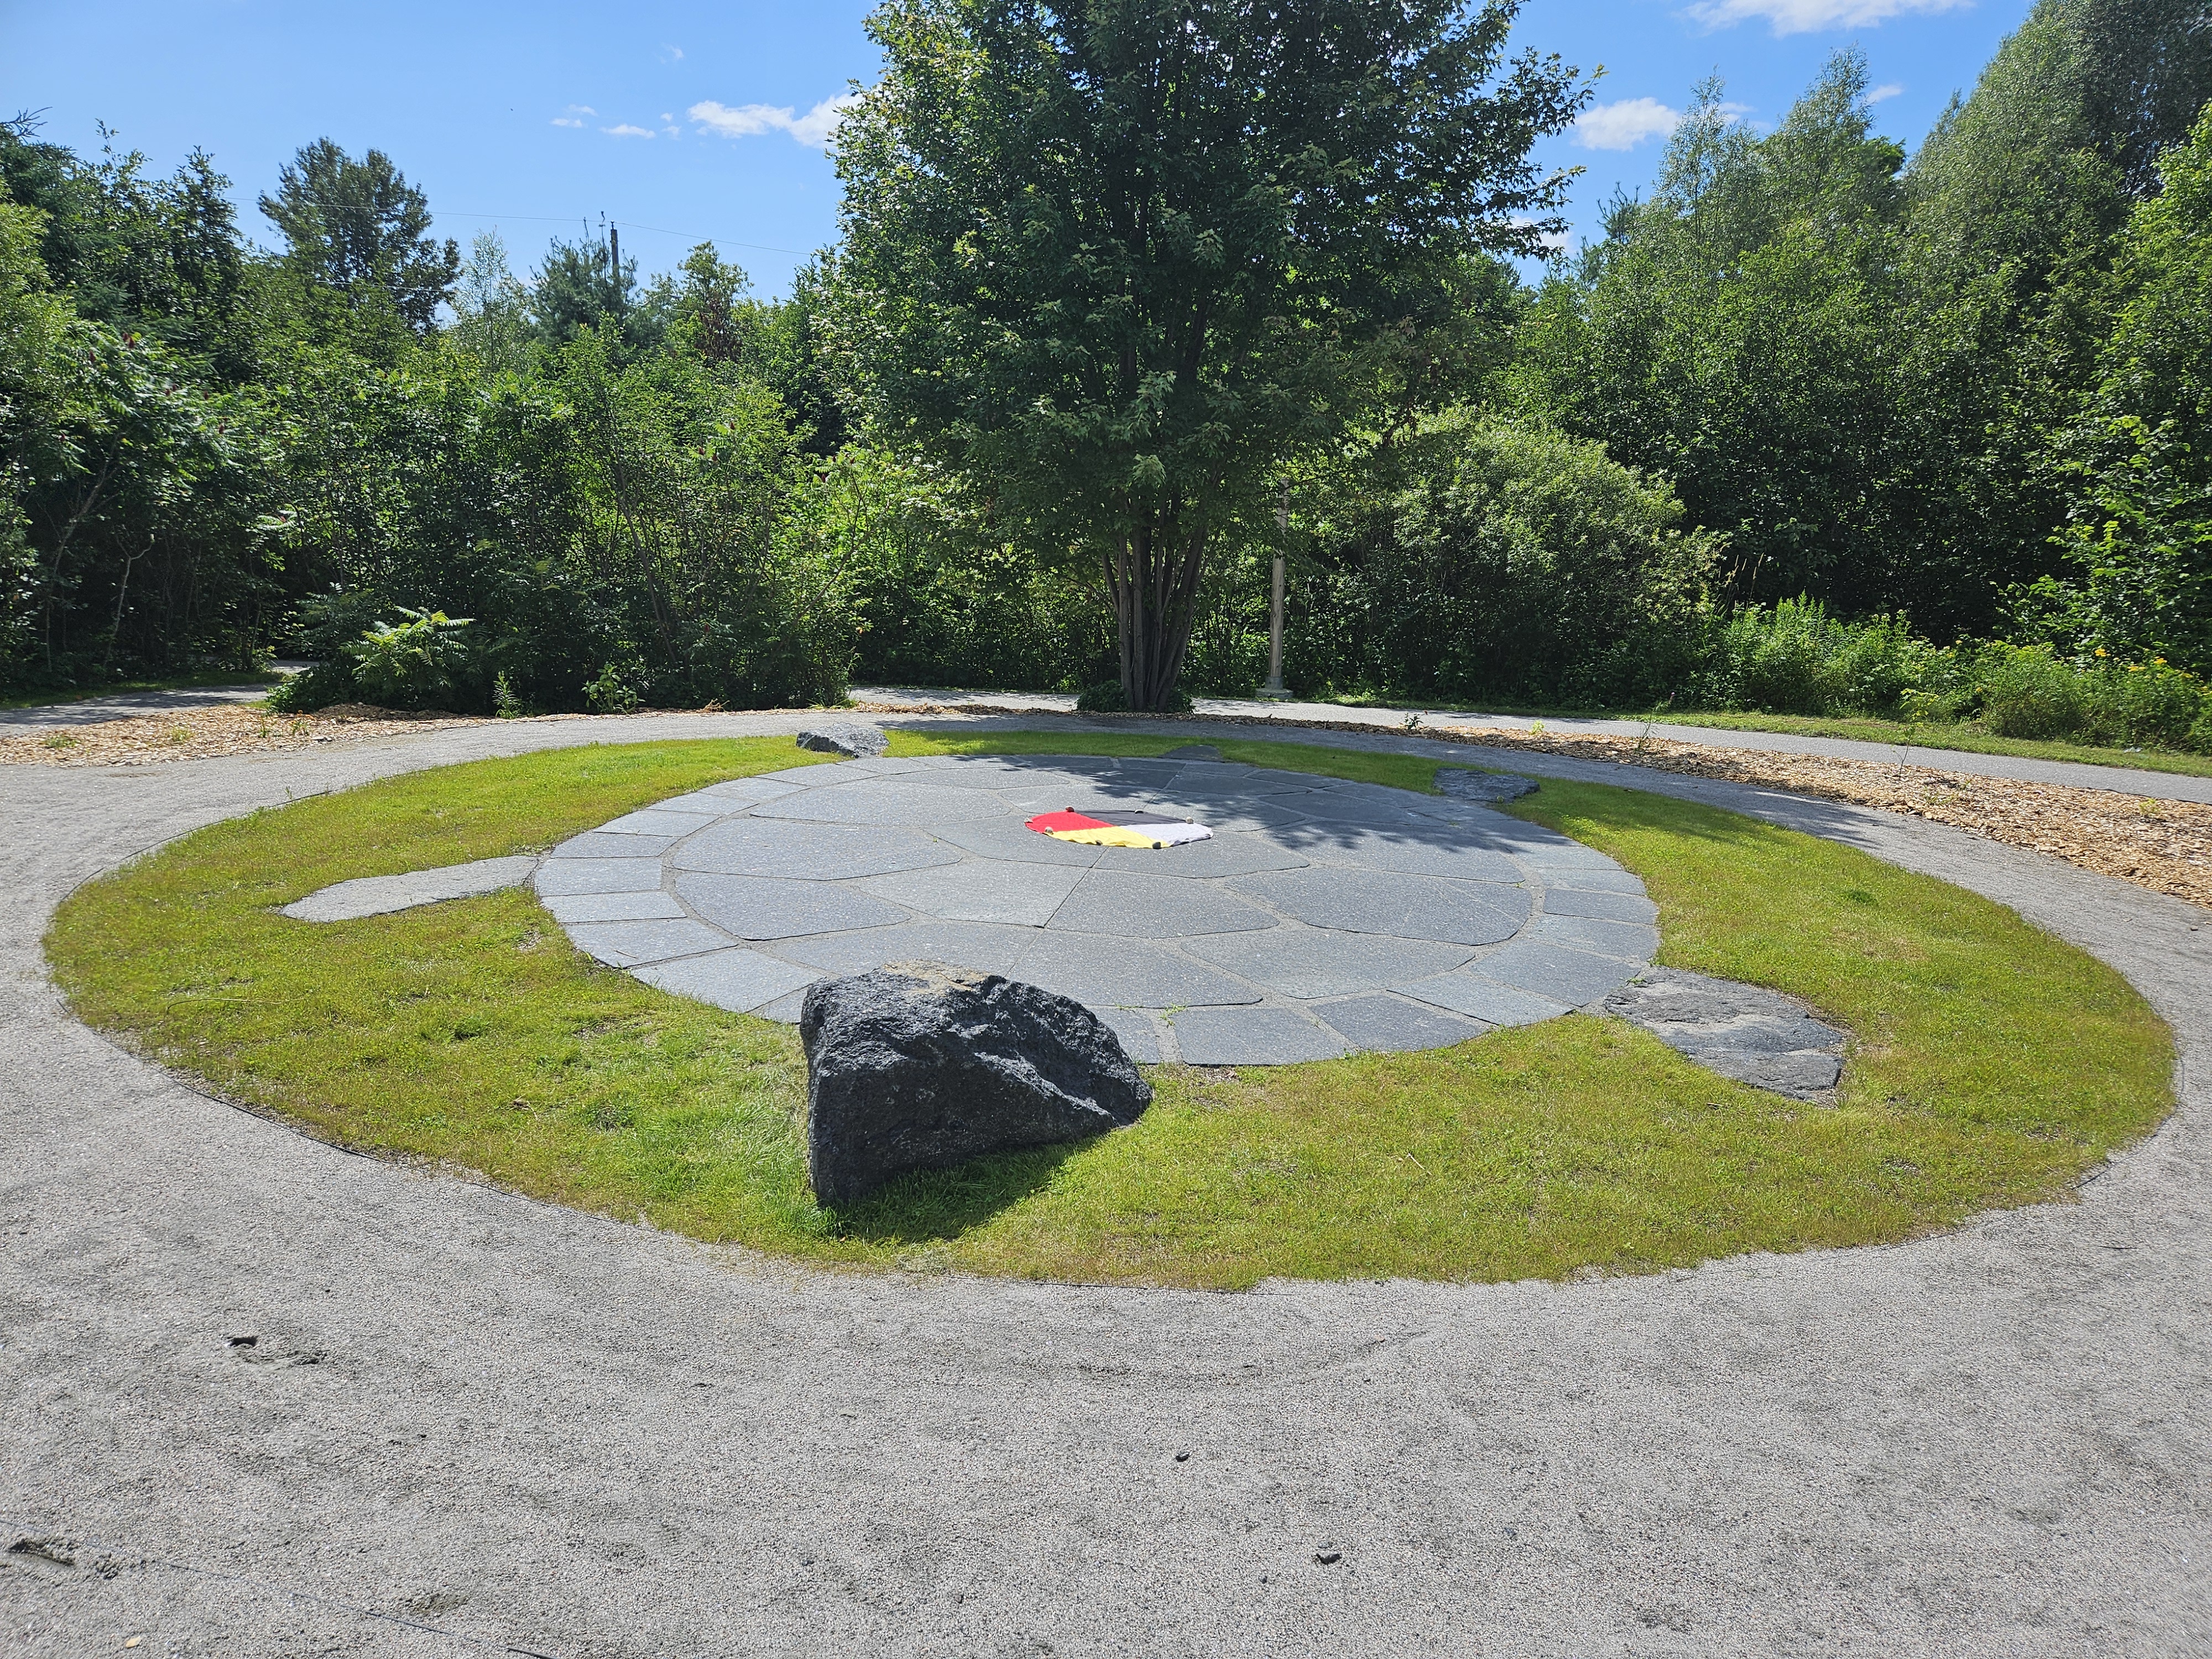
[[1106, 836]]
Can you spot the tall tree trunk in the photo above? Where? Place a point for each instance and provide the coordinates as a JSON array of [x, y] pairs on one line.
[[1152, 578]]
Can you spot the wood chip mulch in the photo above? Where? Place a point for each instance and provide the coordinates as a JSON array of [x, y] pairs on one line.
[[203, 733], [2163, 845]]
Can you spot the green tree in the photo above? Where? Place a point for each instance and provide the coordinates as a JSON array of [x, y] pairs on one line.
[[491, 310], [2140, 530], [358, 228], [159, 257], [1120, 262], [1731, 334]]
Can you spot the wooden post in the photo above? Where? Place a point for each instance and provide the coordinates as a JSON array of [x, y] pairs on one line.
[[1274, 690]]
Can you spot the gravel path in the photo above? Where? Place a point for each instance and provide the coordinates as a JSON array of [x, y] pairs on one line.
[[468, 1422], [2127, 781], [125, 705]]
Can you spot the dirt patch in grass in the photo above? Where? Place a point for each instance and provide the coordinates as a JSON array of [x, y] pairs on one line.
[[1992, 1064]]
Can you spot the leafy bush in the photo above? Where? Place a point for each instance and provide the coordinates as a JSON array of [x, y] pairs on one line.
[[412, 664], [2027, 692], [610, 694]]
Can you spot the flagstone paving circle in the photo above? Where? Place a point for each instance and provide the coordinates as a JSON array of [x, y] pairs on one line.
[[1324, 917]]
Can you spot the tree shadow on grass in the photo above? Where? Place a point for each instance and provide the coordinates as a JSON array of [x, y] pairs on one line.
[[931, 1206]]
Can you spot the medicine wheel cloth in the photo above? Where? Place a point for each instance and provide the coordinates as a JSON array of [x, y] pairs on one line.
[[1153, 830]]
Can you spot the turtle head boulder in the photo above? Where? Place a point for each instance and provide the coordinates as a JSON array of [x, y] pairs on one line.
[[918, 1066]]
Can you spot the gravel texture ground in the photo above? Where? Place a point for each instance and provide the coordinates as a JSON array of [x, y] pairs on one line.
[[260, 1397]]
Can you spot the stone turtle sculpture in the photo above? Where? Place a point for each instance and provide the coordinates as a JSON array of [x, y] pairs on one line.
[[918, 1066]]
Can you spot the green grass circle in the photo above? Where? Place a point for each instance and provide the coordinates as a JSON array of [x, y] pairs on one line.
[[1990, 1064]]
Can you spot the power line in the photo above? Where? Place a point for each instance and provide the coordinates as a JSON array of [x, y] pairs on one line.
[[570, 219]]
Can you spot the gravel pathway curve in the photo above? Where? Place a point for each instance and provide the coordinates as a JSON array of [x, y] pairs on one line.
[[469, 1423], [2080, 775]]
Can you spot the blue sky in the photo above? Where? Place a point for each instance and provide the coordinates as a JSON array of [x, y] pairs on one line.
[[688, 122]]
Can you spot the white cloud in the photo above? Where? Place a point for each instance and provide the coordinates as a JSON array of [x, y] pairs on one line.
[[1888, 89], [672, 54], [566, 121], [1626, 124], [814, 128], [573, 115], [623, 130], [1805, 16]]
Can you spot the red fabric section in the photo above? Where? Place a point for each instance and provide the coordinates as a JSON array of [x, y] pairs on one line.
[[1046, 822]]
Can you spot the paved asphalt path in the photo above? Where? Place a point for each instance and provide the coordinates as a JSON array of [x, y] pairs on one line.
[[124, 705], [472, 1423], [2125, 780]]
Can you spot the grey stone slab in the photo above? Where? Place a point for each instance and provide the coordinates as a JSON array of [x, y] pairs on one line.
[[1139, 1040], [1434, 851], [963, 773], [1565, 975], [1010, 842], [707, 803], [1486, 1000], [1614, 880], [808, 851], [1747, 1032], [1465, 783], [653, 906], [1611, 907], [744, 791], [765, 907], [786, 1009], [1394, 1025], [562, 878], [1631, 941], [1312, 961], [893, 801], [1573, 856], [599, 844], [736, 979], [1534, 844], [986, 947], [1117, 973], [1152, 907], [1024, 895], [1228, 854], [1337, 809], [894, 766], [661, 821], [1801, 1075], [378, 896], [629, 944], [1267, 817], [1251, 1036], [1381, 902]]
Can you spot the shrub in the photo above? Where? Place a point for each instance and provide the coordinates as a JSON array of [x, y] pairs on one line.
[[2027, 692], [412, 664], [2151, 703], [610, 694]]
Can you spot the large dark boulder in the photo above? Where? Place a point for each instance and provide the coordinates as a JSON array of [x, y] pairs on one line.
[[918, 1066]]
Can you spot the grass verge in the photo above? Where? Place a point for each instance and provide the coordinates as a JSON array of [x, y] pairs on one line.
[[1992, 1064]]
